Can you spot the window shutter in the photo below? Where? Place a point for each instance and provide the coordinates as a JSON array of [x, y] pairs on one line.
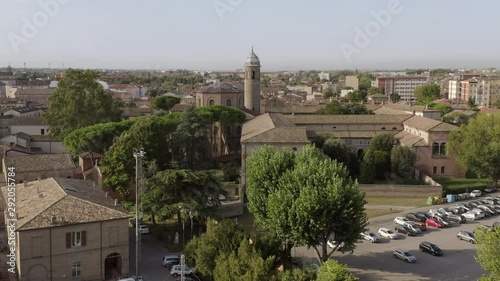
[[68, 240], [84, 238]]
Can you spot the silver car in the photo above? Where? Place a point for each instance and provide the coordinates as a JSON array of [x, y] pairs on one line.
[[370, 236], [404, 255]]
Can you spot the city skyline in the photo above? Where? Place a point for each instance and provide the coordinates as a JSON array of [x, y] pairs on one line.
[[218, 35]]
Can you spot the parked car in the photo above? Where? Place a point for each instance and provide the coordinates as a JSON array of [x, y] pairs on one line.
[[457, 210], [475, 193], [444, 211], [169, 261], [404, 230], [490, 189], [430, 248], [487, 209], [401, 220], [370, 236], [133, 278], [473, 204], [457, 218], [467, 236], [471, 216], [421, 215], [433, 223], [404, 255], [387, 233], [416, 218], [443, 220], [342, 247], [176, 270], [144, 229], [413, 226], [480, 213]]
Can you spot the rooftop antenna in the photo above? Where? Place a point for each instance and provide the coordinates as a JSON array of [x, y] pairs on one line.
[[24, 66]]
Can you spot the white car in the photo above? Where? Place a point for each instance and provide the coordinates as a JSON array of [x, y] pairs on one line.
[[479, 212], [332, 243], [387, 233], [475, 193], [443, 211], [470, 216], [144, 229], [401, 220], [370, 236], [177, 269]]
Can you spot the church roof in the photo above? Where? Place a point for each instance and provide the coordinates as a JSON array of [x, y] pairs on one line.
[[252, 60], [220, 88]]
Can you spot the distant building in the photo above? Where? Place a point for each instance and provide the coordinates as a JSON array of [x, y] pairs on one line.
[[306, 89], [39, 96], [402, 85], [454, 90], [324, 76], [469, 89], [252, 83], [344, 93], [352, 81]]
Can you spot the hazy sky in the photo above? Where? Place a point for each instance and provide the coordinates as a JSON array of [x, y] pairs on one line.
[[218, 34]]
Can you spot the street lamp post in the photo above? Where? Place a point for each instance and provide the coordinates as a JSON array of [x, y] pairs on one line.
[[138, 154]]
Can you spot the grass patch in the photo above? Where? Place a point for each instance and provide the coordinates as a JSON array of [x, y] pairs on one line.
[[397, 201], [456, 185], [372, 213]]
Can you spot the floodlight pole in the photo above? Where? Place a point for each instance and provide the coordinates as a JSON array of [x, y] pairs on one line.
[[138, 154]]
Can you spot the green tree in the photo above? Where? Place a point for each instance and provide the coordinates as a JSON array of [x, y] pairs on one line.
[[382, 163], [96, 138], [427, 93], [329, 94], [168, 190], [221, 237], [488, 253], [445, 109], [165, 102], [337, 108], [151, 133], [368, 171], [382, 142], [297, 274], [338, 150], [456, 118], [403, 161], [246, 264], [313, 201], [374, 91], [80, 101], [476, 145], [192, 149], [331, 270], [395, 97]]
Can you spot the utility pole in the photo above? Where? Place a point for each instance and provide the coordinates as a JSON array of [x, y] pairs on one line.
[[183, 266], [138, 154]]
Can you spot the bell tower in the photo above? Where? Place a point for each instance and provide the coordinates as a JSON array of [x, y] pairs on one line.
[[252, 83]]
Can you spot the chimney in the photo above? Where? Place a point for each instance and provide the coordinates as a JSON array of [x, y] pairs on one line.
[[116, 202], [106, 194]]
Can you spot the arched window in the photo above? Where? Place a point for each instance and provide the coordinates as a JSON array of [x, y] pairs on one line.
[[442, 149], [211, 102], [383, 128], [435, 148], [199, 102], [228, 102], [394, 128], [253, 75]]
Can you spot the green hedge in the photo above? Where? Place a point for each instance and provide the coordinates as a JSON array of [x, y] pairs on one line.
[[456, 186]]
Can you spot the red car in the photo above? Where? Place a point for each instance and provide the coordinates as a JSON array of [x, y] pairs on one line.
[[432, 222]]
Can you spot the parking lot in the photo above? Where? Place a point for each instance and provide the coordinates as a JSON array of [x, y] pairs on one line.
[[375, 262]]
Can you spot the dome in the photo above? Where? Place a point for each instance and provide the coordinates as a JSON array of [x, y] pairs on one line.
[[252, 60]]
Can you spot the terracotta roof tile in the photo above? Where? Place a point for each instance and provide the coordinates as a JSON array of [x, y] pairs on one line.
[[40, 162], [57, 202]]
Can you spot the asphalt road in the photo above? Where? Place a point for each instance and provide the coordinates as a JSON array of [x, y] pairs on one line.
[[374, 261]]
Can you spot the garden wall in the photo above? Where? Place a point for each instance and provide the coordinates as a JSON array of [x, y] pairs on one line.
[[392, 190]]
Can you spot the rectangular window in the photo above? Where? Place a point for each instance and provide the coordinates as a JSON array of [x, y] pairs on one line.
[[434, 169], [77, 270], [76, 239], [442, 170], [42, 132]]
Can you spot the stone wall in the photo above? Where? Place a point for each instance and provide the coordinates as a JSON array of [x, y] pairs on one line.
[[392, 190]]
